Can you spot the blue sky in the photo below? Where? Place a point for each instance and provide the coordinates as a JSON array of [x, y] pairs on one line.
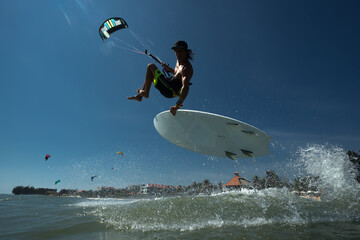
[[289, 68]]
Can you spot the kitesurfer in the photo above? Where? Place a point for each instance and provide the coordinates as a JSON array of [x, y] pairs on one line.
[[175, 86]]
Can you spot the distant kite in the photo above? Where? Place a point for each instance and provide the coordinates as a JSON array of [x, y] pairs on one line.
[[47, 157], [120, 153], [92, 177], [56, 182]]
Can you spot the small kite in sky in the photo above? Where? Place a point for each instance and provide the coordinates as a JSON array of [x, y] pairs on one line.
[[92, 177], [56, 182], [47, 157]]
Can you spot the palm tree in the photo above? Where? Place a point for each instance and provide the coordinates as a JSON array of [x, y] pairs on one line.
[[272, 179], [256, 182], [194, 186], [206, 182]]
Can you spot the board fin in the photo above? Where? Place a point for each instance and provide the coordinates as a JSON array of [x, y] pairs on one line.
[[248, 132], [247, 153], [230, 155], [244, 131]]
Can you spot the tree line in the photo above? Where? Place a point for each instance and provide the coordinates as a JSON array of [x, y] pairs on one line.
[[31, 190], [270, 180]]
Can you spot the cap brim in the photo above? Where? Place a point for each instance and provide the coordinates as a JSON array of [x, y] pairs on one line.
[[173, 48]]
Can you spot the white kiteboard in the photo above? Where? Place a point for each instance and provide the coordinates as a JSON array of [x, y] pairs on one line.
[[212, 134]]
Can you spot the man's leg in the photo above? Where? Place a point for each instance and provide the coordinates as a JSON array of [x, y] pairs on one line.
[[145, 90], [149, 78]]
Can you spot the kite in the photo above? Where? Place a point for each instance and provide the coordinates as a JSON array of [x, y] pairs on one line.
[[56, 182], [120, 153], [92, 177], [47, 157], [110, 26]]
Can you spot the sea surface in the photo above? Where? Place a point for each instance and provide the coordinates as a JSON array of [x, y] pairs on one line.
[[246, 214]]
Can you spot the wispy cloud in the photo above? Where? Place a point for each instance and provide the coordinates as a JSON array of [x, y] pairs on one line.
[[81, 4], [65, 14], [67, 18]]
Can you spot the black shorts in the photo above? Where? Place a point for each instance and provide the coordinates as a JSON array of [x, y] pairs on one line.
[[168, 87]]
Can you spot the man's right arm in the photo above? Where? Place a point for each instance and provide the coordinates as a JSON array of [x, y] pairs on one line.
[[167, 68]]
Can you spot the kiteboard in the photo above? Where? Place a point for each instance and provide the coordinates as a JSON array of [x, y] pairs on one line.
[[212, 134]]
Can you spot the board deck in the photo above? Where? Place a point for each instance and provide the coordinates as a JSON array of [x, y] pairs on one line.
[[212, 134]]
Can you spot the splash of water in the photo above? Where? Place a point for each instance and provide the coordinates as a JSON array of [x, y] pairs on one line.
[[246, 208], [331, 164]]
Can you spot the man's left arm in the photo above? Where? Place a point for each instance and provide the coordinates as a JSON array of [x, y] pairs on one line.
[[184, 89], [183, 93]]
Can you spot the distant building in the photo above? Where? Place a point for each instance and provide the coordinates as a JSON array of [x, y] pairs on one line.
[[237, 182], [155, 188], [134, 188]]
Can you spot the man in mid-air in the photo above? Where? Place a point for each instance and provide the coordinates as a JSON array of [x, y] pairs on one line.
[[175, 86]]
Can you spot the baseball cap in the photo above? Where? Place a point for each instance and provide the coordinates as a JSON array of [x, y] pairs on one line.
[[180, 44]]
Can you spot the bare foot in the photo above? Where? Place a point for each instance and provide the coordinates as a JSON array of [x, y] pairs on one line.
[[142, 93], [136, 97]]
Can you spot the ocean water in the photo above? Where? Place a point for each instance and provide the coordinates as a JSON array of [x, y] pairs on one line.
[[246, 214]]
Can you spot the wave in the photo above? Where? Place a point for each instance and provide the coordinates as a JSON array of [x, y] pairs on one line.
[[94, 202], [244, 208], [5, 197], [240, 208]]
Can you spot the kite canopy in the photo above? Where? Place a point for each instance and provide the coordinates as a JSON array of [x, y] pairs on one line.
[[56, 182], [120, 153], [110, 26], [47, 157]]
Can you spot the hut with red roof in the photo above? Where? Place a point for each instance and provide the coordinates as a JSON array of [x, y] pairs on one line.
[[237, 182]]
